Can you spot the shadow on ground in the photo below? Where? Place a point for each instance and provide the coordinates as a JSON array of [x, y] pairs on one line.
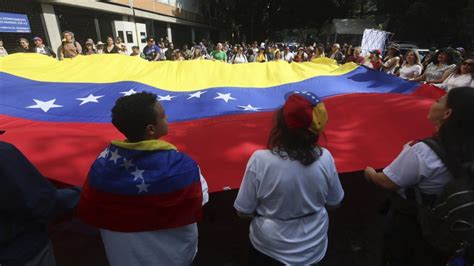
[[354, 232]]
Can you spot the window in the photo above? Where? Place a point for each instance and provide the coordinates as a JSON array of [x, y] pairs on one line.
[[143, 37], [120, 34], [129, 36]]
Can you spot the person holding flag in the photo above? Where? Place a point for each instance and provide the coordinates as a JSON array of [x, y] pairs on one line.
[[287, 188]]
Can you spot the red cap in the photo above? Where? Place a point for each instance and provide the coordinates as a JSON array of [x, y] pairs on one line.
[[298, 112]]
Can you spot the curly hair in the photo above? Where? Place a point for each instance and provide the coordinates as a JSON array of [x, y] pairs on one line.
[[299, 144], [131, 114]]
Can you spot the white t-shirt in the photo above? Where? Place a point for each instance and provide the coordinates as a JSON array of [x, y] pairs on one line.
[[40, 50], [239, 59], [289, 57], [175, 246], [410, 72], [454, 81], [418, 165], [289, 198]]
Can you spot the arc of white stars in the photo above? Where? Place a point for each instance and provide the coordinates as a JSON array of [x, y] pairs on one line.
[[128, 93], [142, 187], [249, 107], [104, 153], [165, 98], [90, 99], [224, 96], [196, 94], [138, 174], [127, 163], [44, 105], [115, 156]]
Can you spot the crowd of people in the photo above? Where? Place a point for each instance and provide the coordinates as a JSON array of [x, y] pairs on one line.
[[445, 68], [286, 190]]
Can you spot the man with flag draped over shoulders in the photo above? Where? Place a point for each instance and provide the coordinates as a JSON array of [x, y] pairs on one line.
[[143, 194]]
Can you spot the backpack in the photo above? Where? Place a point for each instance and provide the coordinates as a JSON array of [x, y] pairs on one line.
[[448, 222], [75, 46]]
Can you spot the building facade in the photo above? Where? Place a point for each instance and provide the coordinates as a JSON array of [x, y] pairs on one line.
[[180, 21]]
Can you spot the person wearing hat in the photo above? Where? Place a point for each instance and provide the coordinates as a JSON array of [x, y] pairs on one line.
[[28, 201], [374, 61], [391, 62], [440, 68], [288, 187], [99, 47], [41, 48], [261, 57], [89, 47]]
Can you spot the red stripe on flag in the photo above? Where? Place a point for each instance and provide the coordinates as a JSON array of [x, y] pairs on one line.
[[363, 129], [126, 213]]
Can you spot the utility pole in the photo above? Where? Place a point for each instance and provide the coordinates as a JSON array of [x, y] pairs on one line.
[[130, 3]]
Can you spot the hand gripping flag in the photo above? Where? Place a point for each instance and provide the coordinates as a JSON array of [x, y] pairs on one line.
[[58, 113]]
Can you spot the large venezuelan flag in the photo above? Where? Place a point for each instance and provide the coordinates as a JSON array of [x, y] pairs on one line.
[[58, 113]]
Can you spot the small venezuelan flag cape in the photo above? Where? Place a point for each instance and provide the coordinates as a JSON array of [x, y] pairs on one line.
[[143, 186]]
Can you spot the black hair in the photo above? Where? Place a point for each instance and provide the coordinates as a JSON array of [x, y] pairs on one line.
[[456, 134], [131, 114], [298, 144], [149, 38], [449, 52]]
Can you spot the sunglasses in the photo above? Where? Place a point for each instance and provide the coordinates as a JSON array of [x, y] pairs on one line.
[[468, 63]]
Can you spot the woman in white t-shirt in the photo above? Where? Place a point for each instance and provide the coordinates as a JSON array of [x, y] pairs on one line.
[[418, 166], [287, 188], [412, 67], [462, 76]]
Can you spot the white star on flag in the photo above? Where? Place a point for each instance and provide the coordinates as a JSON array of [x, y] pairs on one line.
[[89, 99], [104, 153], [115, 156], [165, 98], [128, 93], [249, 108], [127, 163], [45, 106], [224, 96], [138, 174], [142, 187], [196, 94]]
